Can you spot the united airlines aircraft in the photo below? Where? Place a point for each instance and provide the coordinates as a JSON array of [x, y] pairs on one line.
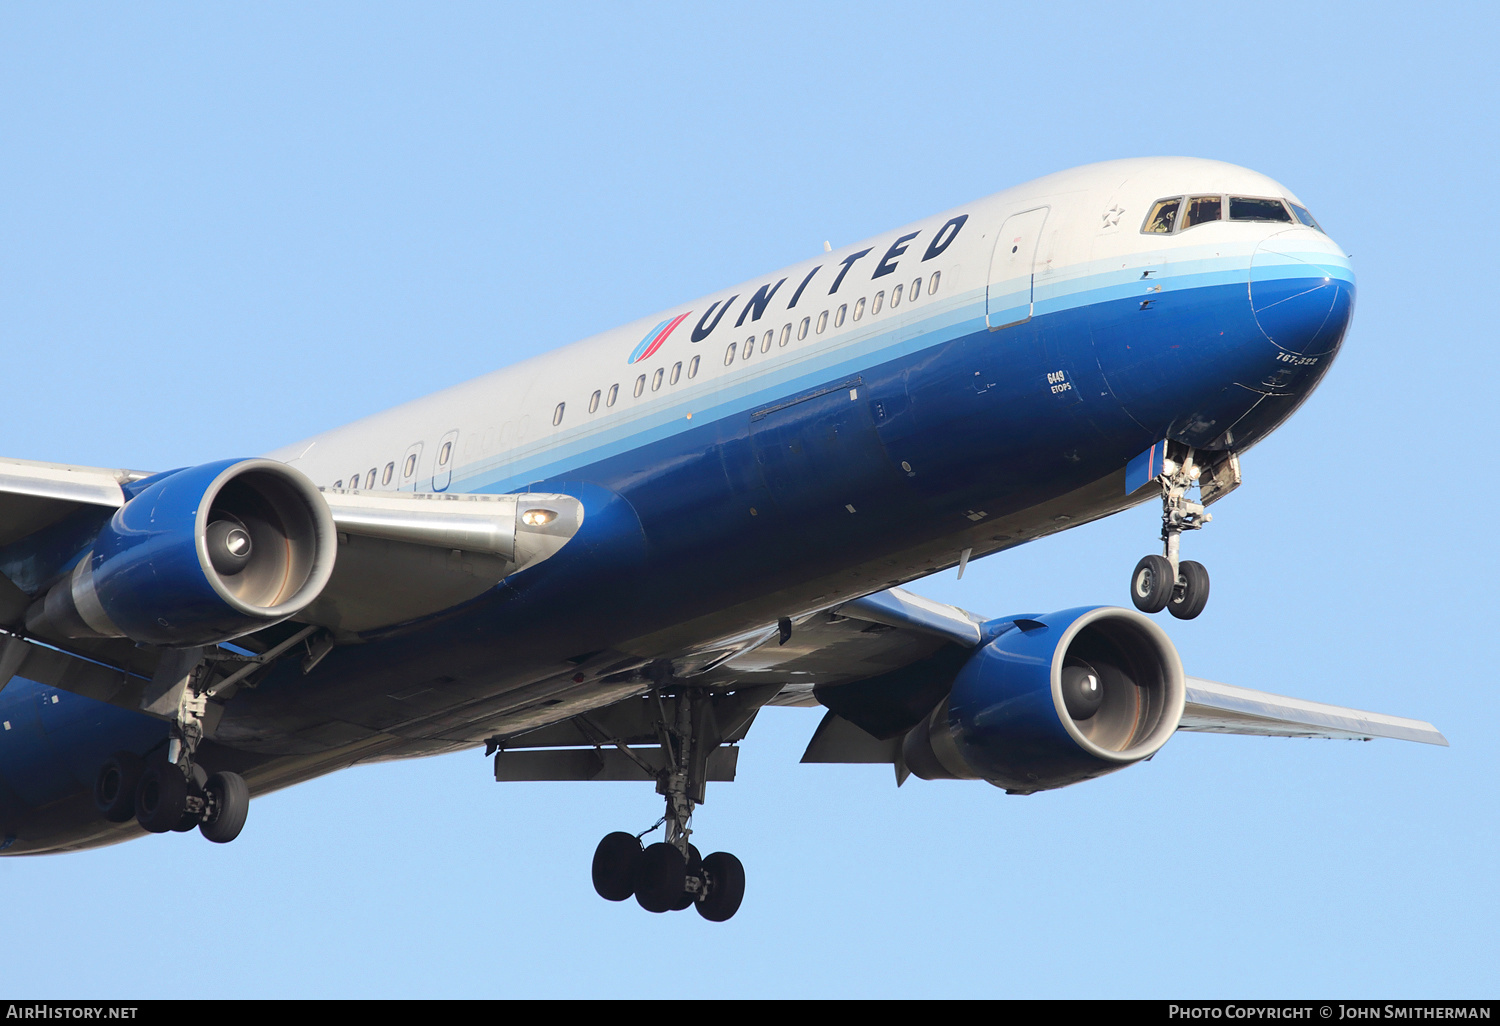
[[602, 563]]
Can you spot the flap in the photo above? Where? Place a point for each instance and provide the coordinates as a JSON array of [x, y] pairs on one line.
[[603, 764], [838, 740]]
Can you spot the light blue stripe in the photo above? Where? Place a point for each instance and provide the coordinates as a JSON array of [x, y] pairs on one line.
[[556, 455]]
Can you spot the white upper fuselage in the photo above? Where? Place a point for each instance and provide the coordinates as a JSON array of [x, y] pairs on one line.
[[499, 429]]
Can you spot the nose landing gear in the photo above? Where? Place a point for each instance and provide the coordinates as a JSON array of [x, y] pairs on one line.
[[1169, 582]]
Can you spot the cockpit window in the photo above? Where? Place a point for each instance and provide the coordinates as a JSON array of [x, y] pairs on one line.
[[1245, 208], [1163, 216], [1306, 218], [1201, 209]]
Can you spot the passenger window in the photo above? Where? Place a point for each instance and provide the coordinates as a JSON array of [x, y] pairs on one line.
[[410, 466], [734, 347], [749, 348], [822, 321], [370, 480], [786, 334], [1244, 208], [916, 290], [1201, 209], [444, 453], [896, 296], [594, 400], [859, 308], [557, 414], [932, 282], [802, 328], [676, 373], [390, 472], [838, 318], [1163, 217], [765, 341], [693, 367], [656, 378], [614, 393], [875, 305], [640, 385], [1306, 218]]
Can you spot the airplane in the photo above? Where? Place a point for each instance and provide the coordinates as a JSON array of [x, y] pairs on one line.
[[603, 562]]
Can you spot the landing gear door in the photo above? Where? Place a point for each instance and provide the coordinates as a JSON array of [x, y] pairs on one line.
[[1012, 269]]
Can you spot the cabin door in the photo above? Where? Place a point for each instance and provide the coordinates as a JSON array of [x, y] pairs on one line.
[[1008, 295]]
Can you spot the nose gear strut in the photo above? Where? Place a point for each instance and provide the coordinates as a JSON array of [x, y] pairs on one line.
[[1167, 581]]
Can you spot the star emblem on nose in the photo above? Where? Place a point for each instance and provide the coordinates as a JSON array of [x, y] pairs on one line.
[[1112, 216]]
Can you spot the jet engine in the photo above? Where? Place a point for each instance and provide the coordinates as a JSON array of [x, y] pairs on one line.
[[1053, 700], [198, 556]]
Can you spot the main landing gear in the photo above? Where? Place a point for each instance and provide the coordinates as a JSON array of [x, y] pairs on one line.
[[1169, 582], [168, 791], [670, 875], [663, 879]]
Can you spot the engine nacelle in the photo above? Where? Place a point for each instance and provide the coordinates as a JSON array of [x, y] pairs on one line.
[[1053, 700], [199, 556]]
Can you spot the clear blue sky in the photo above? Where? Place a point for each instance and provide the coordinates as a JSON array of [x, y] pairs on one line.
[[226, 227]]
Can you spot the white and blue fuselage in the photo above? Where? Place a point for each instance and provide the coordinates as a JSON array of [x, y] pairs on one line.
[[970, 381]]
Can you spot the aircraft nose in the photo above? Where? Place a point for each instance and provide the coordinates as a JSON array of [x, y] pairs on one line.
[[1301, 293]]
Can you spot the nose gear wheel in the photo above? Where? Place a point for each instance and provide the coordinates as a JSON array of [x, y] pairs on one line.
[[1167, 581]]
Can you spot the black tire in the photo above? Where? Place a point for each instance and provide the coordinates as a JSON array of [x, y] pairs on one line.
[[726, 887], [1191, 593], [1151, 584], [229, 800], [663, 878], [190, 820], [160, 797], [617, 863], [114, 787], [694, 869]]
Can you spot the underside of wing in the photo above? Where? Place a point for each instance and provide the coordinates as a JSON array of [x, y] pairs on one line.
[[103, 572], [823, 650]]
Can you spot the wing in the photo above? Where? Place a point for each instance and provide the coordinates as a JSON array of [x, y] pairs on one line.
[[881, 662], [1211, 707], [442, 549], [879, 646], [1215, 708], [400, 556]]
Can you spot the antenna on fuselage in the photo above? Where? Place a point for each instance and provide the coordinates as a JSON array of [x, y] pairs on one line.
[[826, 247]]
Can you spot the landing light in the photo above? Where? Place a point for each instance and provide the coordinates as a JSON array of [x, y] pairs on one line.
[[538, 517]]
